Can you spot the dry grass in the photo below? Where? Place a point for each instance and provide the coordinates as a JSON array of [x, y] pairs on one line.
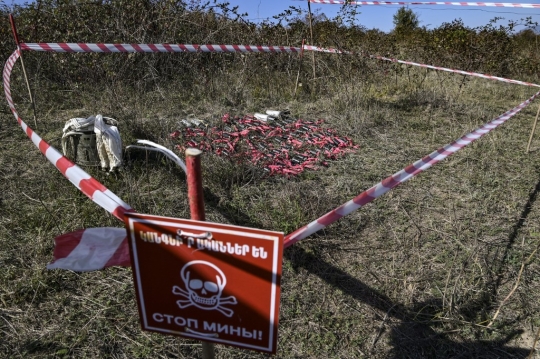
[[419, 273]]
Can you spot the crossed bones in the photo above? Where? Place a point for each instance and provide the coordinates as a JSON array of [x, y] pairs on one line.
[[188, 301]]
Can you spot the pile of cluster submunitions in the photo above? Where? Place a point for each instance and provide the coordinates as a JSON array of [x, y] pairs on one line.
[[279, 144]]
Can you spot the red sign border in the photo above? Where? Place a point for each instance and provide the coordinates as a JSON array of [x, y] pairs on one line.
[[129, 220]]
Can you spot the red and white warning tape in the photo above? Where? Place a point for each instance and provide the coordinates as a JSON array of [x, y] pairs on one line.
[[109, 201], [402, 176], [82, 180], [467, 73], [115, 48], [483, 4], [82, 47], [322, 49]]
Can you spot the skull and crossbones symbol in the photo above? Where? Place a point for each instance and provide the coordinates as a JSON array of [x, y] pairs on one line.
[[204, 283]]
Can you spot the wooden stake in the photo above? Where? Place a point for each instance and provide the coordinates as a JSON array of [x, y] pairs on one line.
[[299, 68], [533, 129], [196, 206], [311, 31], [16, 37]]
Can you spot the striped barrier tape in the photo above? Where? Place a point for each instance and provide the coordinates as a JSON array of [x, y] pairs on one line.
[[118, 48], [467, 73], [402, 176], [110, 48], [322, 49], [105, 198], [481, 4], [80, 179]]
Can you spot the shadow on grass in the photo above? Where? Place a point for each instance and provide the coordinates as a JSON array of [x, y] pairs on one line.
[[412, 337], [499, 272], [415, 336]]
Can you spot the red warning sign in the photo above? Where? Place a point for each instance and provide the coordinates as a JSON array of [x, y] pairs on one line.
[[207, 281]]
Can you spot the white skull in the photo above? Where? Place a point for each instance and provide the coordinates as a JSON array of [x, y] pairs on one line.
[[204, 282]]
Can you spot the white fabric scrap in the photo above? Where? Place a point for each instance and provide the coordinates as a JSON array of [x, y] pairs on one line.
[[109, 144], [80, 124]]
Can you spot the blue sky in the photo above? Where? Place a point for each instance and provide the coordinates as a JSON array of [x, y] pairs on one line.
[[380, 17]]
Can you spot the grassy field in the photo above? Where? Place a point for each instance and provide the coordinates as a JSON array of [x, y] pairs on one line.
[[419, 273]]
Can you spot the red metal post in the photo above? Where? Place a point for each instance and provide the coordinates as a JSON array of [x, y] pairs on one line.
[[194, 180], [196, 206]]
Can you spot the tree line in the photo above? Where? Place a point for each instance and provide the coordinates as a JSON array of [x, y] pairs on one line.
[[495, 49]]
